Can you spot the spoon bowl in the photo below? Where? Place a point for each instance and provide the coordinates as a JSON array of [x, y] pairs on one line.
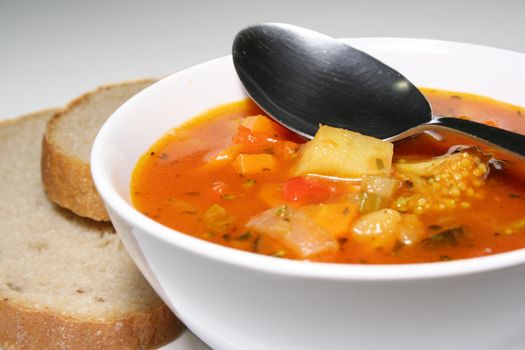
[[302, 79]]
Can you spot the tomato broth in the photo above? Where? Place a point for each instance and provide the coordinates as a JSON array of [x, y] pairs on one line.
[[224, 176]]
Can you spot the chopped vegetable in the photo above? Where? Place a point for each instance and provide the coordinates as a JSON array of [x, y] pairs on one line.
[[335, 218], [448, 237], [217, 219], [223, 157], [248, 164], [378, 229], [265, 244], [369, 202], [262, 125], [181, 206], [229, 197], [249, 183], [271, 194], [442, 183], [385, 228], [288, 150], [307, 189], [411, 229], [376, 192], [380, 185], [294, 231], [343, 153], [251, 142]]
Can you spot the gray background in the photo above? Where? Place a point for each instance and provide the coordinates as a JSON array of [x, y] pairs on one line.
[[52, 51]]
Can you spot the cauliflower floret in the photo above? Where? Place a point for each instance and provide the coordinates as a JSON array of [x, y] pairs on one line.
[[445, 182]]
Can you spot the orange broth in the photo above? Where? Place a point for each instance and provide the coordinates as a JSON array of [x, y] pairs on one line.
[[174, 184]]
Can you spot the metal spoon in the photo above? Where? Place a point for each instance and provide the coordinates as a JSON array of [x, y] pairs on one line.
[[302, 79]]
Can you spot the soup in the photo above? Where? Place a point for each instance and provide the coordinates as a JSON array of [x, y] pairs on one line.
[[234, 177]]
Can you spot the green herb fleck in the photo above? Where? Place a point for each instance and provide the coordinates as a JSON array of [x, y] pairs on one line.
[[379, 164], [282, 211], [188, 212], [228, 197], [192, 193], [448, 237], [249, 183], [246, 235]]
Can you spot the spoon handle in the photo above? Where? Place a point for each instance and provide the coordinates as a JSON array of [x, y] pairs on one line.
[[499, 137]]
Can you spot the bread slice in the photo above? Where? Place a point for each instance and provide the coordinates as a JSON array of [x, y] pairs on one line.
[[65, 282], [67, 145]]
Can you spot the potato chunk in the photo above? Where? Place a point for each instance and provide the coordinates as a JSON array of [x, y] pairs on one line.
[[344, 153]]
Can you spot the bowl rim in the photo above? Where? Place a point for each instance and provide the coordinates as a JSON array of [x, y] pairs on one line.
[[286, 267]]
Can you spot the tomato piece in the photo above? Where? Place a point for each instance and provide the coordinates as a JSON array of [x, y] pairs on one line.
[[253, 142], [307, 190], [244, 135], [259, 134], [287, 150], [266, 127]]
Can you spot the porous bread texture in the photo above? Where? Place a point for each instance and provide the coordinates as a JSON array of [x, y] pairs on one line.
[[67, 144], [65, 282]]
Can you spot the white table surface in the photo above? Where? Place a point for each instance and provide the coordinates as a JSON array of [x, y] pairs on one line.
[[52, 51]]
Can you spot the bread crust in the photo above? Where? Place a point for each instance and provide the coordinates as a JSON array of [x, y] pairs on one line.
[[25, 325], [26, 328], [68, 183], [67, 179]]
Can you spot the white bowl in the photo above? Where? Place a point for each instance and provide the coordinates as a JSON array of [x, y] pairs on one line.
[[238, 300]]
